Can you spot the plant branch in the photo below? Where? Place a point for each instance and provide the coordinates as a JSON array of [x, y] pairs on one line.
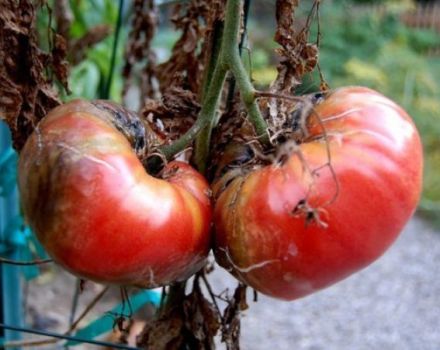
[[231, 91], [249, 98], [228, 59], [206, 114]]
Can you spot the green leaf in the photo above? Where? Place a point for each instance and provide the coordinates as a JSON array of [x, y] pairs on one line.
[[84, 81]]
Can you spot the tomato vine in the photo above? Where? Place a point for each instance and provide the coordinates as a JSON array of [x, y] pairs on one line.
[[228, 59]]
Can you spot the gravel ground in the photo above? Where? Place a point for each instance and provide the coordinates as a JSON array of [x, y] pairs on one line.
[[393, 304]]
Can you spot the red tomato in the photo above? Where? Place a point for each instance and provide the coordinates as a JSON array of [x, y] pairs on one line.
[[293, 228], [98, 213]]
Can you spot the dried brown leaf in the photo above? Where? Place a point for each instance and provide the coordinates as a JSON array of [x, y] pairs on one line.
[[174, 114], [139, 51], [63, 17], [26, 90], [285, 11], [60, 66], [231, 316], [297, 55], [78, 48], [186, 65], [186, 321], [163, 333], [202, 319]]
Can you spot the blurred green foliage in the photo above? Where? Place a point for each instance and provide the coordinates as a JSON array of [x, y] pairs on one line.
[[89, 78]]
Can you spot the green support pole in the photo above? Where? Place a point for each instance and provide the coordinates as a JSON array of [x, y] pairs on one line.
[[10, 289]]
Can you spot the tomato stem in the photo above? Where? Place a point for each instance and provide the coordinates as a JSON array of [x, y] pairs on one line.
[[206, 114], [228, 60]]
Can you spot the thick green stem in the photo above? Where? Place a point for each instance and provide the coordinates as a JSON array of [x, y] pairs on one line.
[[247, 93], [229, 44], [203, 140], [207, 113], [216, 38], [228, 59]]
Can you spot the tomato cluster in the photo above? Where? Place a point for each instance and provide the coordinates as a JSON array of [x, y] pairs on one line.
[[331, 205]]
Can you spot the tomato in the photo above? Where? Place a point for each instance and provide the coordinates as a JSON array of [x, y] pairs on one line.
[[333, 206], [96, 210]]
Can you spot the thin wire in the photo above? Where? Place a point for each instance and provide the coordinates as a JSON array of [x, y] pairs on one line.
[[24, 263], [87, 309], [75, 300], [106, 93], [65, 337]]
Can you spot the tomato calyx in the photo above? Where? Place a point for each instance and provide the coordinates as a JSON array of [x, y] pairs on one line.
[[290, 116], [289, 128]]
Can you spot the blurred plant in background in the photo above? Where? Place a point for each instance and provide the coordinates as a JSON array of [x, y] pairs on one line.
[[91, 32]]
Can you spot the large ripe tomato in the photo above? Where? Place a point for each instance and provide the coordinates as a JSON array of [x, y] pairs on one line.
[[292, 228], [96, 210]]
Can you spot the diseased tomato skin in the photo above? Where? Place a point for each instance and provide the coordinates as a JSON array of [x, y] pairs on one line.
[[290, 230], [99, 214]]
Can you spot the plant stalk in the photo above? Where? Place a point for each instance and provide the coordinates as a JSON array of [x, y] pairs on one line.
[[228, 60]]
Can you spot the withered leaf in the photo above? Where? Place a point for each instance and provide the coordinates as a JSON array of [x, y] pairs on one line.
[[174, 114], [185, 67], [202, 319], [297, 55], [78, 48], [188, 321], [139, 51], [26, 90], [231, 317]]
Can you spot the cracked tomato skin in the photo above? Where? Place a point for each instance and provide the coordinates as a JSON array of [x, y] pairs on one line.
[[292, 229], [99, 214]]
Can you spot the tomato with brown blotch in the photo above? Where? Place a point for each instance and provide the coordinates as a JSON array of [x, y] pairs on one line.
[[96, 210], [333, 206]]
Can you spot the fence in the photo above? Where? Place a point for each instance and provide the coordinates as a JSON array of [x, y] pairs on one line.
[[425, 16]]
